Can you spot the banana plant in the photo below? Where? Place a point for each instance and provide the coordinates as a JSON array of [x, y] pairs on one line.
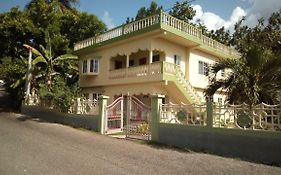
[[47, 61]]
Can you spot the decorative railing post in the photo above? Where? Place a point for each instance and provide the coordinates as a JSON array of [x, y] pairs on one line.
[[209, 112], [102, 113], [155, 116]]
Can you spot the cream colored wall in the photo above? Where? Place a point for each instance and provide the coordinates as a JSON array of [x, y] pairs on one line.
[[170, 49], [105, 54], [196, 79]]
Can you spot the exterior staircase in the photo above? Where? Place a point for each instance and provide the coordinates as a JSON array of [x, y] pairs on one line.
[[173, 73]]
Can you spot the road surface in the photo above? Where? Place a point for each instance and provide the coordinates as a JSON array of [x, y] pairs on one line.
[[32, 147]]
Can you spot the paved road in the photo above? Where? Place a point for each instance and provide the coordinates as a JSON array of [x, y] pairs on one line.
[[34, 148]]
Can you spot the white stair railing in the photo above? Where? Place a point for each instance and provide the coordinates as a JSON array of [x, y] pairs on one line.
[[196, 99], [173, 69]]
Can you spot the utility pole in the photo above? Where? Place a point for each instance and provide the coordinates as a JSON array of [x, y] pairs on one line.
[[28, 72]]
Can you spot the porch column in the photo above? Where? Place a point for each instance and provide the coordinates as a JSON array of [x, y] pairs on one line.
[[150, 56], [127, 60]]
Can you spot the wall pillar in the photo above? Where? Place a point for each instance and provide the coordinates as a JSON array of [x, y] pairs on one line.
[[155, 116], [102, 113]]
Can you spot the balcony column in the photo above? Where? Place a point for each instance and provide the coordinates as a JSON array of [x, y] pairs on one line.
[[127, 60], [127, 64], [150, 56]]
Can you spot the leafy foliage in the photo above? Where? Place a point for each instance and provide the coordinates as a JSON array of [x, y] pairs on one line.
[[183, 11], [255, 77], [151, 10], [60, 95], [34, 26]]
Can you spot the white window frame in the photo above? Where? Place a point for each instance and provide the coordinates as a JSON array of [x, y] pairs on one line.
[[84, 66], [90, 66], [94, 66], [203, 68]]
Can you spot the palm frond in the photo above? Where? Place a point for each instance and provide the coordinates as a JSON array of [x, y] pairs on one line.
[[65, 57], [34, 51], [39, 59]]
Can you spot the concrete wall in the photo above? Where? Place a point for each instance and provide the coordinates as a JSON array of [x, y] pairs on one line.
[[74, 120], [260, 146]]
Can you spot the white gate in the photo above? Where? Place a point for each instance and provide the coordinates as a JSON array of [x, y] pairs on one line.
[[138, 117], [114, 117]]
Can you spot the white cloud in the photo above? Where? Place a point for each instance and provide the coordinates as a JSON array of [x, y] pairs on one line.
[[213, 21], [261, 8], [257, 9], [107, 20]]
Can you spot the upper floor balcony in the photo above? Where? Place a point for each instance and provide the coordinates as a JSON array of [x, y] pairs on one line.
[[161, 21]]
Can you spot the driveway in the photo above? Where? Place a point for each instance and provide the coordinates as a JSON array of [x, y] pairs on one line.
[[32, 147]]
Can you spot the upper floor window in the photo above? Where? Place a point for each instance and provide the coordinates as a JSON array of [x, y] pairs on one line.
[[131, 63], [94, 66], [177, 59], [84, 66], [142, 61], [90, 66], [203, 68], [156, 58]]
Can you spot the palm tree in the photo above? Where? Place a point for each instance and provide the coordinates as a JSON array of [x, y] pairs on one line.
[[254, 78]]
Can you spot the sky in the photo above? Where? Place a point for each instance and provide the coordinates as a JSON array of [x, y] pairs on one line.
[[213, 13]]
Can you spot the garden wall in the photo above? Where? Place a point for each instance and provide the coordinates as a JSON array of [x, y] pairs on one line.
[[258, 146], [74, 120]]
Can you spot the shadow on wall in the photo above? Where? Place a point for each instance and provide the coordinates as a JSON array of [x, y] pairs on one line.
[[51, 116]]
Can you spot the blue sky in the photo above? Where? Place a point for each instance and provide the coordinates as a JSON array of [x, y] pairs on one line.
[[213, 13]]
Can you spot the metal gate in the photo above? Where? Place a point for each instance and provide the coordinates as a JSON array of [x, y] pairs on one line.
[[138, 117], [114, 117]]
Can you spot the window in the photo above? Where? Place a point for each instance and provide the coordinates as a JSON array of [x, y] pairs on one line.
[[96, 96], [142, 61], [93, 66], [177, 59], [118, 64], [222, 72], [131, 63], [156, 58], [203, 68], [220, 100], [84, 66]]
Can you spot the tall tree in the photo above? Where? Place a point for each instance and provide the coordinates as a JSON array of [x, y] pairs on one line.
[[63, 4], [183, 11], [151, 10], [16, 28], [256, 76]]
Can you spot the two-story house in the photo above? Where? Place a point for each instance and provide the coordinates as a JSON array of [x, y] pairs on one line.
[[155, 55]]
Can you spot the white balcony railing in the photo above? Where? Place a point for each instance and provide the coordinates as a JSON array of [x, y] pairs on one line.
[[163, 19], [156, 69], [138, 71]]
